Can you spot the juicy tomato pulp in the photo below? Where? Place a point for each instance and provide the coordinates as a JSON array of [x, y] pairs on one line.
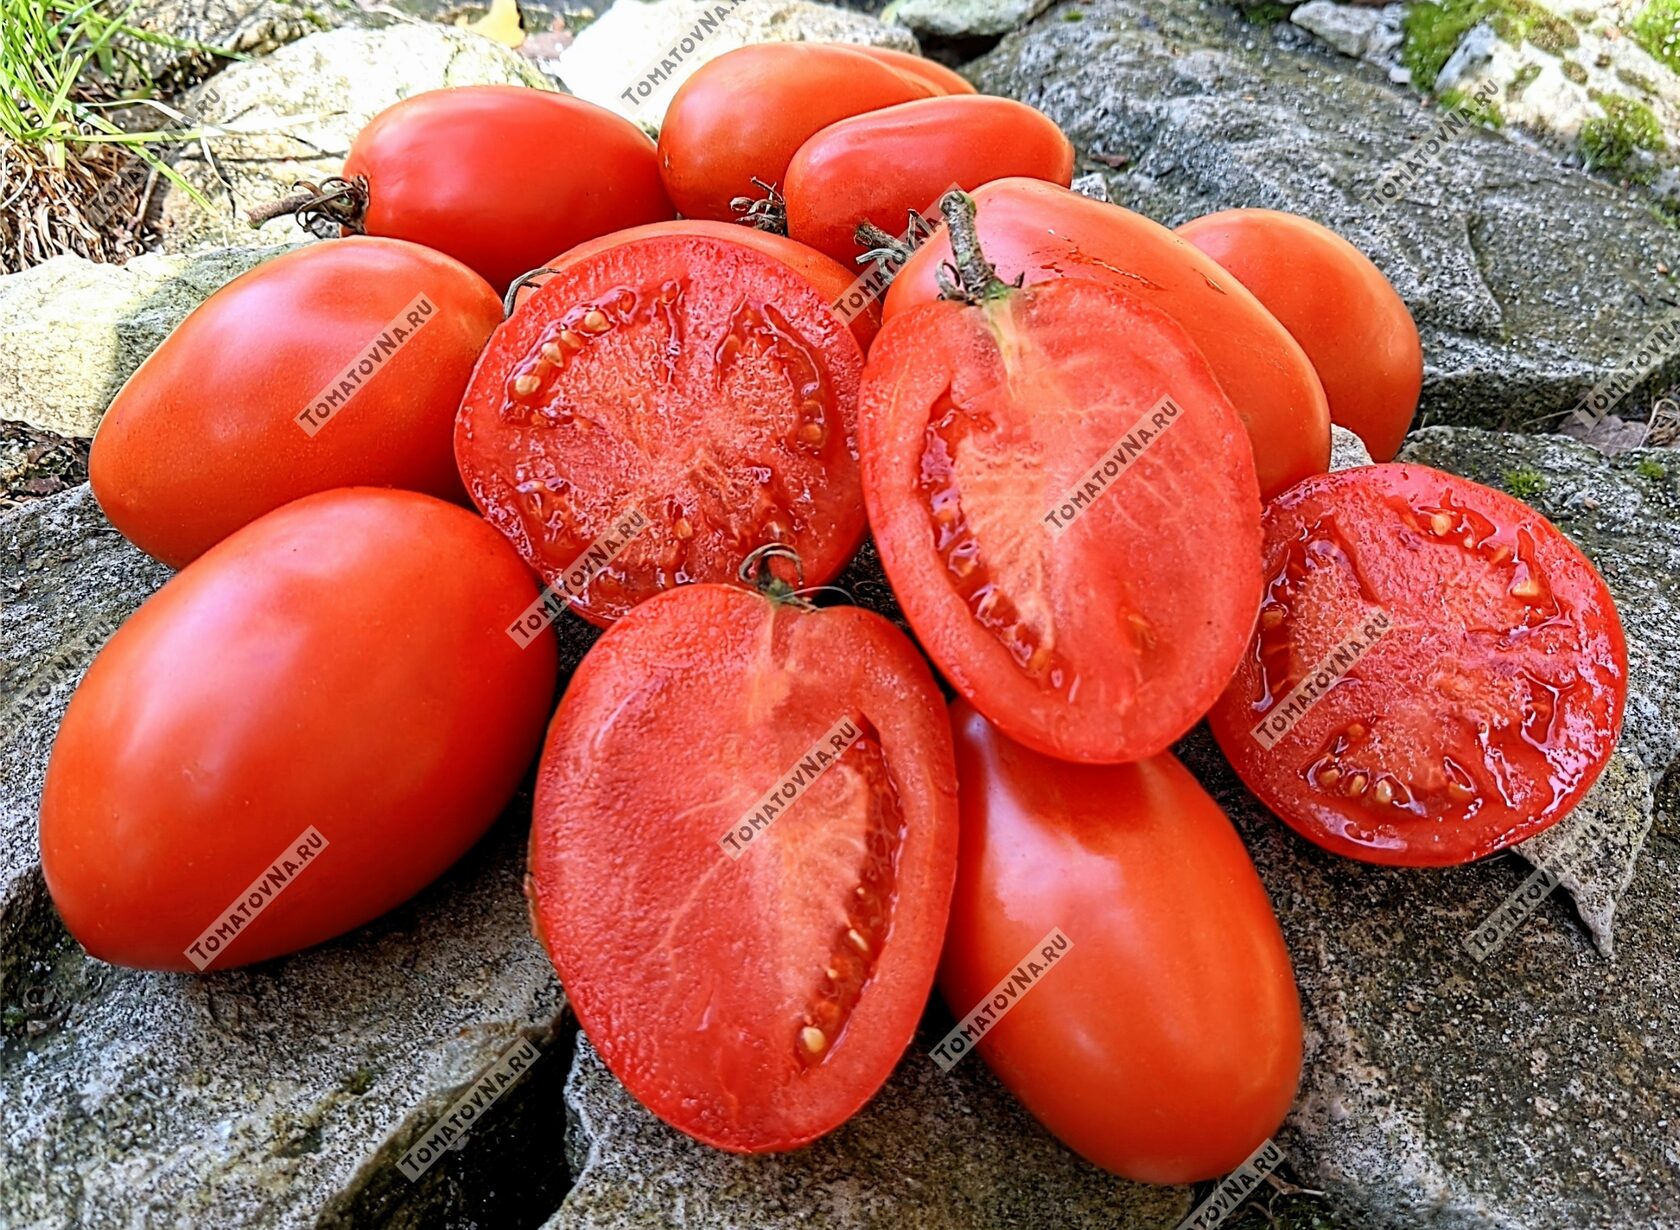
[[696, 382], [274, 686], [1438, 673], [880, 165], [1079, 558], [753, 995], [743, 116], [502, 177], [1353, 325], [335, 365], [832, 279], [1038, 231], [1164, 1043]]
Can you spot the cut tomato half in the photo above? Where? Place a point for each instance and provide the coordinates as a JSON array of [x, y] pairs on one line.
[[695, 383], [1066, 505], [1438, 672], [742, 858]]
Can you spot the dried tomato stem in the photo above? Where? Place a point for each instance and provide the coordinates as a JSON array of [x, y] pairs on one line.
[[325, 210], [979, 281]]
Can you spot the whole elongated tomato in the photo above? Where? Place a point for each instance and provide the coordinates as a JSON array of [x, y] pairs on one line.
[[744, 115], [831, 279], [1065, 503], [742, 851], [878, 166], [1039, 231], [340, 364], [298, 732], [1438, 673], [940, 79], [501, 177], [1348, 318], [1162, 1039]]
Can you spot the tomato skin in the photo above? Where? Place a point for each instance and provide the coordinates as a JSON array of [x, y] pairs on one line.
[[938, 78], [501, 177], [974, 423], [277, 684], [745, 114], [882, 164], [692, 972], [204, 437], [1164, 1044], [1348, 318], [1037, 230], [1478, 719], [831, 278]]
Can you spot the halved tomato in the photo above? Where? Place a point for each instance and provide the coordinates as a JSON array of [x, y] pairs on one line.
[[696, 379], [832, 279], [1438, 672], [1066, 505], [742, 854], [1037, 231]]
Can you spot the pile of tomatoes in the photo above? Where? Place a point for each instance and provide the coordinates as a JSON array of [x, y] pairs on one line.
[[1091, 453]]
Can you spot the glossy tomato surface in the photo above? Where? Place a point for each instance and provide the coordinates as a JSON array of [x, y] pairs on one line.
[[277, 687], [1348, 318], [880, 165], [1040, 231], [338, 364], [1065, 503], [942, 80], [695, 379], [744, 115], [501, 177], [831, 279], [1164, 1042], [1438, 673], [756, 991]]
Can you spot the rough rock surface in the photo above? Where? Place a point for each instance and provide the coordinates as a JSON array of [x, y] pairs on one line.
[[933, 1151], [71, 331], [1530, 282], [241, 27], [277, 1096], [291, 116], [647, 48], [1534, 1090], [962, 18]]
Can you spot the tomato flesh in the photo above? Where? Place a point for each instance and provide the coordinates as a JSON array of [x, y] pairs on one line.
[[1037, 231], [699, 380], [754, 1002], [1165, 1044], [1104, 641], [1477, 719]]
